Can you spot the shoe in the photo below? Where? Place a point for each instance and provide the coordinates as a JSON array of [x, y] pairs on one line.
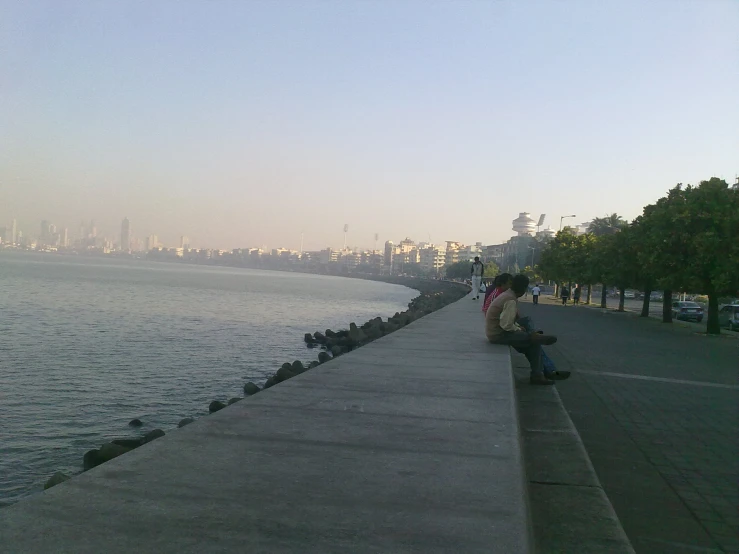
[[540, 380], [558, 375]]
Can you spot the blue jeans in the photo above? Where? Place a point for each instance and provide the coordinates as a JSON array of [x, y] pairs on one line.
[[546, 362]]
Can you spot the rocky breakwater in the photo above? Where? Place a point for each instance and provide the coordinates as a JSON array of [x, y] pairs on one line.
[[331, 344]]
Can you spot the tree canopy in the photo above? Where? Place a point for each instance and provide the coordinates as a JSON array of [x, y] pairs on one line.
[[688, 240], [461, 270]]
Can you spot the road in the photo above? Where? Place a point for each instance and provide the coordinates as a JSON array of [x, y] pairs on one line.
[[655, 310], [656, 407]]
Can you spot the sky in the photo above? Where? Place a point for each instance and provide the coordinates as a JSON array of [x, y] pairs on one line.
[[249, 123]]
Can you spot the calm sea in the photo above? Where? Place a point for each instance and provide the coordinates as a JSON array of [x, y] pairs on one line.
[[88, 344]]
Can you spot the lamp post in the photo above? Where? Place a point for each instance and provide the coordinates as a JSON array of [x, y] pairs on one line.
[[533, 254], [562, 218]]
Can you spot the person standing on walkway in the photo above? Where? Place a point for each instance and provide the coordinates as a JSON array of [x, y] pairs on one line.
[[477, 270], [565, 294], [576, 295], [501, 328], [535, 292]]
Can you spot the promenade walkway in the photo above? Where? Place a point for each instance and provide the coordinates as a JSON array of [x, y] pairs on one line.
[[408, 444], [657, 409]]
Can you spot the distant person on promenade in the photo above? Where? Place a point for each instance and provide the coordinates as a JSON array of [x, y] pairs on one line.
[[501, 283], [565, 294], [501, 328], [535, 292], [477, 270], [576, 295]]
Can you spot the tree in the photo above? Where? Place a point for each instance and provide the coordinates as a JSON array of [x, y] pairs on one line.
[[461, 270], [609, 225], [692, 241]]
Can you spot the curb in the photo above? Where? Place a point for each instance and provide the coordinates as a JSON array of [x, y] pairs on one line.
[[570, 511]]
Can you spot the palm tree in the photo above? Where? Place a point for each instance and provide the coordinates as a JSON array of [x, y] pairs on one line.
[[609, 225]]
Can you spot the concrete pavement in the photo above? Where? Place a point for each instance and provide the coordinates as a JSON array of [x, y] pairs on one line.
[[656, 408], [408, 444]]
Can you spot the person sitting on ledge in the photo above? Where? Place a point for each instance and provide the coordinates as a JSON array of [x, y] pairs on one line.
[[501, 328], [501, 283]]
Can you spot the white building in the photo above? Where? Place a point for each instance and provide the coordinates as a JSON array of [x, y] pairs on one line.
[[432, 259]]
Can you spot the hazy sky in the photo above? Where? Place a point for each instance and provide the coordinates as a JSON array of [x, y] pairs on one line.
[[246, 123]]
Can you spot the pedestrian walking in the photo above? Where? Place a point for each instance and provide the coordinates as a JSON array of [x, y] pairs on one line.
[[535, 292], [576, 295], [477, 271], [565, 294]]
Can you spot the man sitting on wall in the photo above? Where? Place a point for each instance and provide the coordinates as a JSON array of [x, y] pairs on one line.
[[501, 328]]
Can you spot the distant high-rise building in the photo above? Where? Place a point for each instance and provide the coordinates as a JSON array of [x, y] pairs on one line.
[[125, 235], [64, 239], [151, 242], [184, 243], [14, 232], [389, 249]]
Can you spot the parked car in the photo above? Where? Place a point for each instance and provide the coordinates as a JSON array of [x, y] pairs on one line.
[[687, 311], [656, 296], [728, 316], [630, 294]]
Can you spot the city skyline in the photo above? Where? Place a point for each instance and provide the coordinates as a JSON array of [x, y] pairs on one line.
[[403, 119], [145, 241]]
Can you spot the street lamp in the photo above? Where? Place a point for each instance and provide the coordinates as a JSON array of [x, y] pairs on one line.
[[564, 217], [533, 254]]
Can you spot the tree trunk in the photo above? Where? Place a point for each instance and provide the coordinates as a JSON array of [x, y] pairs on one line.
[[556, 290], [604, 297], [667, 307], [590, 294], [713, 327], [645, 305], [621, 298]]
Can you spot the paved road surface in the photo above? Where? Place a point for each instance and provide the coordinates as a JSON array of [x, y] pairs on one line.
[[657, 407]]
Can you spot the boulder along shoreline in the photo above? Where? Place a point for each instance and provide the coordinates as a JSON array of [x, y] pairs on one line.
[[433, 295]]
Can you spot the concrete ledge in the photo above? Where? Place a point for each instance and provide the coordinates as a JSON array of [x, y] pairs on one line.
[[408, 444], [570, 511]]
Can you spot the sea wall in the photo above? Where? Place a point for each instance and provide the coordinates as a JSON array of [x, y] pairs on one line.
[[325, 345]]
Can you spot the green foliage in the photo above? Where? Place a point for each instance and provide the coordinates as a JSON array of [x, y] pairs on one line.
[[461, 270], [609, 225], [688, 240]]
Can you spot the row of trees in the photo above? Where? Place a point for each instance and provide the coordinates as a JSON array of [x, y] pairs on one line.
[[686, 241]]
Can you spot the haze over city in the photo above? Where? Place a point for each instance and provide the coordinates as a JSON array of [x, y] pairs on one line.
[[252, 123]]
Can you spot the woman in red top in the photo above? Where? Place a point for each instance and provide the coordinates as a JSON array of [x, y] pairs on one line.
[[501, 283]]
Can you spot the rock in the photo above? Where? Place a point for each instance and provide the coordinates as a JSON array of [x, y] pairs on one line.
[[152, 435], [337, 351], [313, 364], [109, 451], [91, 459], [128, 443], [186, 421], [270, 382], [308, 338], [55, 479], [297, 367], [284, 373], [250, 388], [342, 334], [323, 357], [356, 335], [319, 337], [215, 406], [330, 333], [233, 400], [135, 423], [286, 366]]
